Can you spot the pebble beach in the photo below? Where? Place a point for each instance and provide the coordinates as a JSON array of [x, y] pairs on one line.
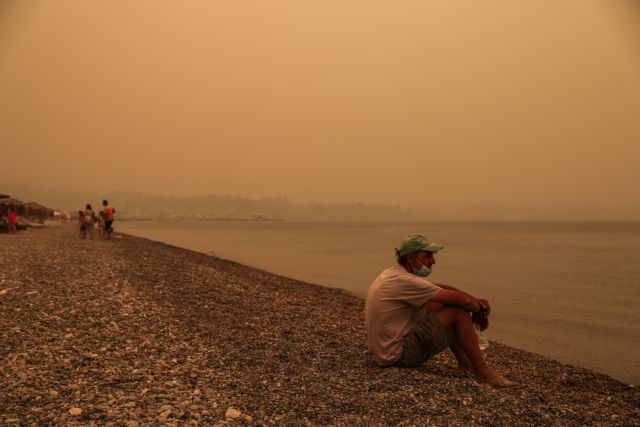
[[131, 332]]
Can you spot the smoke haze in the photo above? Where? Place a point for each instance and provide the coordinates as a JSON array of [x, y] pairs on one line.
[[414, 104]]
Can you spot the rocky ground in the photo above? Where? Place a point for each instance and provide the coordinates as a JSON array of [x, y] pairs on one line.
[[132, 332]]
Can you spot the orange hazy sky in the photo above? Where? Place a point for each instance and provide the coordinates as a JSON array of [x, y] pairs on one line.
[[412, 103]]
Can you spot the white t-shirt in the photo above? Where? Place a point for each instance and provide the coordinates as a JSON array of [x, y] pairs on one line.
[[392, 301]]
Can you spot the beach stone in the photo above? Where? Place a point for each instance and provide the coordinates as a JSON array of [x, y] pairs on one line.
[[232, 413], [75, 411], [242, 338]]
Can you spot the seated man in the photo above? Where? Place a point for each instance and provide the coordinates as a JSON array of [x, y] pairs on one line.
[[410, 319]]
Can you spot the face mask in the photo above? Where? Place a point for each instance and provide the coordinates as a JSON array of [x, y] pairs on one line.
[[423, 271]]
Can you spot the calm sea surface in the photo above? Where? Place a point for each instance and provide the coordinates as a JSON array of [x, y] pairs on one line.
[[570, 291]]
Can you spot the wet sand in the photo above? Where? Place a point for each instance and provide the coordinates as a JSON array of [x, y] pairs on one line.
[[133, 332]]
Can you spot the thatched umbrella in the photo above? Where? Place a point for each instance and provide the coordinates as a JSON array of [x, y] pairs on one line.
[[25, 210], [10, 201], [6, 202], [36, 210]]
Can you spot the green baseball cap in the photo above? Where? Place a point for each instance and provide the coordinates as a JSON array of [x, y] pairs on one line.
[[415, 243]]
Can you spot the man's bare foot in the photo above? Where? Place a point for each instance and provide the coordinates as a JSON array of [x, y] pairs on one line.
[[464, 369], [497, 380]]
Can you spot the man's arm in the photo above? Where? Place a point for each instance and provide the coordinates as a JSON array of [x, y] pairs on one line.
[[483, 302], [443, 286], [458, 299]]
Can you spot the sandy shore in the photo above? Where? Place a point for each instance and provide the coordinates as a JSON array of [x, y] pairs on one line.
[[133, 332]]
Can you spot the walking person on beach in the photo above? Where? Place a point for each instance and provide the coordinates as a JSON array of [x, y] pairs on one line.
[[108, 218], [101, 223], [89, 220], [12, 220], [81, 222], [410, 319]]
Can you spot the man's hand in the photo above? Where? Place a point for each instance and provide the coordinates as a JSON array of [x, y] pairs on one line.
[[485, 305], [481, 318]]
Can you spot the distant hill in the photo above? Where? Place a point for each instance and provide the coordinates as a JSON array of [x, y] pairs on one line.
[[491, 211], [139, 206]]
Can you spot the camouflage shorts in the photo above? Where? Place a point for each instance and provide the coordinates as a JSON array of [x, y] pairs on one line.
[[427, 337]]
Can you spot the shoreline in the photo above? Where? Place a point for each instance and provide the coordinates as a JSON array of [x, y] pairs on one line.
[[113, 336], [594, 332]]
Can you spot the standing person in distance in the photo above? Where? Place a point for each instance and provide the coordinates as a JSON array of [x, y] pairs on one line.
[[410, 319], [89, 219], [101, 231], [83, 232], [109, 211], [12, 219]]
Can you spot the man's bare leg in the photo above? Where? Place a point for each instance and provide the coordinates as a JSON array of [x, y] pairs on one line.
[[464, 364], [464, 332]]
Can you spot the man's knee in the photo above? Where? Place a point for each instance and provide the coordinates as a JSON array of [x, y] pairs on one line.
[[449, 315], [432, 307]]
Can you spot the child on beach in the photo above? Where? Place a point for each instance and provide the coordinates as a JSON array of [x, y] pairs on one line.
[[89, 219], [81, 221], [101, 230], [12, 219]]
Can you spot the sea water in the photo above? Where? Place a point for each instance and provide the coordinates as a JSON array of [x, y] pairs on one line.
[[569, 291]]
